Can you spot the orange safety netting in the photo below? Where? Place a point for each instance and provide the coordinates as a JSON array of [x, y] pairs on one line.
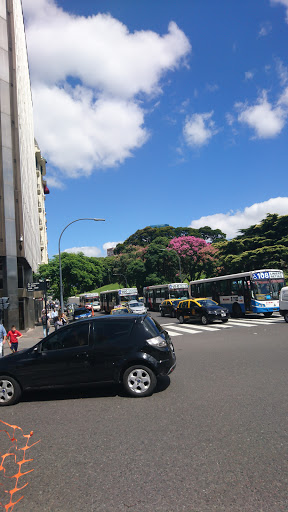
[[12, 458]]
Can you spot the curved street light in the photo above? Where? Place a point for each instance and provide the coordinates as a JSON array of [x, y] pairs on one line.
[[180, 271], [60, 267]]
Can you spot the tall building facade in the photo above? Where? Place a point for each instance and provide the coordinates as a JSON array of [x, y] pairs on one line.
[[20, 233]]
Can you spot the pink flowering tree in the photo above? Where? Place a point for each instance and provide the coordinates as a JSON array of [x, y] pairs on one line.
[[197, 256]]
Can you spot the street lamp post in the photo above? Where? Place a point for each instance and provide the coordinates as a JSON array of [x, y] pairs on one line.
[[60, 267], [122, 276], [180, 271]]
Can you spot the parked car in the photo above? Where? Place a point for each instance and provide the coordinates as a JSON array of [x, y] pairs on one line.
[[169, 307], [137, 307], [283, 303], [81, 313], [205, 310], [133, 350]]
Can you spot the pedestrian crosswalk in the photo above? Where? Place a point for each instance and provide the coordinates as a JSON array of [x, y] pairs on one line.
[[176, 329]]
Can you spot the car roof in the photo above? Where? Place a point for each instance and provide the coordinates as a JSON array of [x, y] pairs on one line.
[[112, 318]]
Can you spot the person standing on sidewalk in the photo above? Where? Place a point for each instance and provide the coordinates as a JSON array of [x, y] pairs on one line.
[[45, 322], [3, 336], [13, 336]]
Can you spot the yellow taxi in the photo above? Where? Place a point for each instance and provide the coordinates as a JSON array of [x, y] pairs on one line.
[[169, 307], [120, 310], [203, 309]]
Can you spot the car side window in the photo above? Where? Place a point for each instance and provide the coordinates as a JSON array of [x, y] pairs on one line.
[[110, 331], [184, 304], [68, 337]]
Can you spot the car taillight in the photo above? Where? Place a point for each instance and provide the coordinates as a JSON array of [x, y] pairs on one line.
[[158, 341]]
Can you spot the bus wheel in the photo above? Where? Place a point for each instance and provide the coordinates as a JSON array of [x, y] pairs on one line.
[[181, 319], [237, 311], [286, 317], [268, 314]]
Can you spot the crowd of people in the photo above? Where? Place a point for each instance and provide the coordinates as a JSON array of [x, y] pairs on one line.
[[52, 318]]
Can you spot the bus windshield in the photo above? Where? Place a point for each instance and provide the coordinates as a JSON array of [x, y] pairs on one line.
[[179, 294], [267, 288]]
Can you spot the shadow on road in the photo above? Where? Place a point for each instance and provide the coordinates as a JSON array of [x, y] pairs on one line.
[[83, 391]]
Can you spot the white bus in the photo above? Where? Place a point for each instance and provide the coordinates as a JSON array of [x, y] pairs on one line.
[[111, 298], [154, 295], [256, 291], [87, 299]]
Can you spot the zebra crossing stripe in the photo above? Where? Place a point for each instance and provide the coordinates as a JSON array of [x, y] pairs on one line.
[[189, 328], [241, 323], [173, 333], [182, 330]]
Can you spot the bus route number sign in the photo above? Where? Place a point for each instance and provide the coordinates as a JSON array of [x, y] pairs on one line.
[[267, 275]]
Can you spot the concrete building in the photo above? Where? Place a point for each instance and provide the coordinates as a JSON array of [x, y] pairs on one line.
[[20, 200]]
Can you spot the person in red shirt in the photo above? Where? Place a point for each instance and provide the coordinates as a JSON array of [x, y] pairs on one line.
[[13, 336]]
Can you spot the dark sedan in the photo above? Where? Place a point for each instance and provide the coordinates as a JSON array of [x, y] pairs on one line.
[[204, 310]]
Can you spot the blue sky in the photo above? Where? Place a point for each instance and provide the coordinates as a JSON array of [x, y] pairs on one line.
[[152, 112]]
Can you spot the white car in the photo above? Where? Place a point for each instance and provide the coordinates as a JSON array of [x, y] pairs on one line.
[[137, 307], [96, 305]]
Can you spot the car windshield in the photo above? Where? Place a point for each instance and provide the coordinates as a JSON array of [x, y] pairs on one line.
[[81, 311], [135, 305], [176, 302], [207, 303], [122, 311]]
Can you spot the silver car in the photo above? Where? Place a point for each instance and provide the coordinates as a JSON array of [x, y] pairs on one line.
[[137, 308]]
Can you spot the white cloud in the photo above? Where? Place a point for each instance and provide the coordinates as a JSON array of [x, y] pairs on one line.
[[249, 75], [212, 87], [232, 221], [282, 2], [267, 121], [88, 251], [199, 129], [109, 245], [87, 75], [283, 100], [265, 29], [282, 72], [53, 181]]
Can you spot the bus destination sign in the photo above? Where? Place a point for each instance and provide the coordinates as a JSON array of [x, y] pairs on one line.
[[277, 274]]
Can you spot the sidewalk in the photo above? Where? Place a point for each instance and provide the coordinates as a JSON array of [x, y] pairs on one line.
[[30, 338]]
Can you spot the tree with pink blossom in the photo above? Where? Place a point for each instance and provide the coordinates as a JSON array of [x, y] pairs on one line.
[[198, 257]]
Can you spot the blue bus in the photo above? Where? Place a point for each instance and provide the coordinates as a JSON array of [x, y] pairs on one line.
[[256, 291]]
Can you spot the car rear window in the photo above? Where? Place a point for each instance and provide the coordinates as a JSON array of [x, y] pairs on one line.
[[152, 327]]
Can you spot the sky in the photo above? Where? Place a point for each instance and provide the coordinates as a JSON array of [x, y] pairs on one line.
[[158, 112]]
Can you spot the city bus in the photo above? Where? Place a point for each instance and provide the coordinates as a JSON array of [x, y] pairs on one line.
[[87, 299], [256, 291], [111, 298], [154, 295]]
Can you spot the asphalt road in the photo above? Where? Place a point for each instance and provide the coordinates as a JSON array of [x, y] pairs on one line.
[[212, 438]]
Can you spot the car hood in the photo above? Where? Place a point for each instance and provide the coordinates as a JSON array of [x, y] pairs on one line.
[[12, 358]]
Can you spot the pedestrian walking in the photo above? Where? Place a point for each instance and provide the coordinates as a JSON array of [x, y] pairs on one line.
[[45, 323], [54, 317], [14, 336], [3, 337]]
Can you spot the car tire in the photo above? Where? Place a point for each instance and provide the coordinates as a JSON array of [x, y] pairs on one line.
[[268, 314], [237, 311], [162, 312], [286, 317], [139, 381], [225, 320], [173, 314], [181, 319], [204, 320], [10, 391]]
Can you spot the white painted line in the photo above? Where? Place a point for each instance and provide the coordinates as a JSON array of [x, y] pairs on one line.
[[238, 323], [189, 328], [173, 333]]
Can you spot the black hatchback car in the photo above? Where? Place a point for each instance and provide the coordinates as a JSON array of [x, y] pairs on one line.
[[133, 350], [205, 310]]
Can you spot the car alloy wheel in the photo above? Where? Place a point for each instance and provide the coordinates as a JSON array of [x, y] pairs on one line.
[[181, 319], [139, 381], [204, 320], [10, 391]]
